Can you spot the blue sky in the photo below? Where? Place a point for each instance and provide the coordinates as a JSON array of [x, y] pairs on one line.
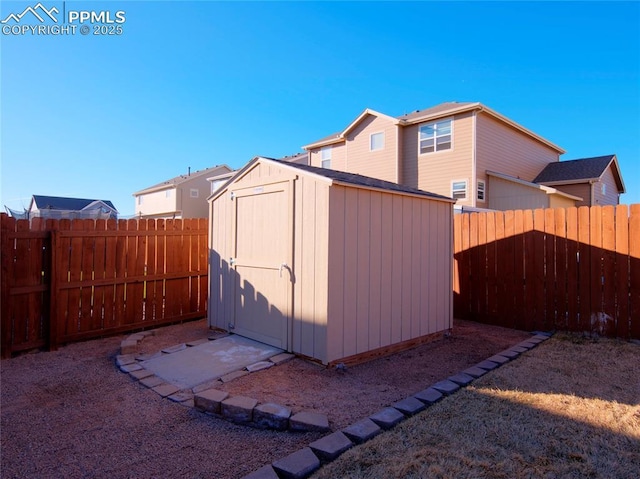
[[196, 84]]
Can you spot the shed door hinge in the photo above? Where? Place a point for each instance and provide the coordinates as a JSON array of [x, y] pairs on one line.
[[233, 194]]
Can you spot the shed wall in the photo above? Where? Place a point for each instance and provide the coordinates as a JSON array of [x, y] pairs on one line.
[[389, 270]]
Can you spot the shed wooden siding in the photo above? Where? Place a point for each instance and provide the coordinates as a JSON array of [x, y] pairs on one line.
[[389, 269], [221, 308], [309, 326], [338, 157], [382, 164], [435, 171], [220, 250], [508, 195], [502, 148]]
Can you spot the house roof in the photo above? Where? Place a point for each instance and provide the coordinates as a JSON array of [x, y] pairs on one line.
[[581, 170], [62, 203], [178, 180], [445, 108], [365, 181], [438, 111], [301, 158]]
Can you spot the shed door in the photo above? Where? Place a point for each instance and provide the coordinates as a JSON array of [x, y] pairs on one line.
[[262, 263]]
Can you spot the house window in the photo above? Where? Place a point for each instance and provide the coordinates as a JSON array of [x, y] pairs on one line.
[[604, 189], [194, 193], [140, 200], [167, 194], [481, 186], [376, 141], [325, 156], [435, 136], [459, 190]]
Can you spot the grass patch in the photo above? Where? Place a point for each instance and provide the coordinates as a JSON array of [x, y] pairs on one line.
[[567, 409]]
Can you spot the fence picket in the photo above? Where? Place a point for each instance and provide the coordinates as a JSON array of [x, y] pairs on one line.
[[572, 276], [634, 271], [622, 271]]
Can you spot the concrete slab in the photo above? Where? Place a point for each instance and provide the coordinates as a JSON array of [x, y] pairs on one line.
[[212, 360]]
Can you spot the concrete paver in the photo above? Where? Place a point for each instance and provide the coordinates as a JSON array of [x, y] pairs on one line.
[[461, 379], [446, 386], [362, 431], [331, 446], [272, 416], [387, 417], [151, 381], [165, 390], [238, 409], [309, 421], [265, 472], [487, 365], [475, 371], [298, 465], [498, 359], [429, 396], [210, 400], [409, 406]]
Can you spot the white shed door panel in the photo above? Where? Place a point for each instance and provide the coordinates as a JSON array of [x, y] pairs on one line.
[[262, 263]]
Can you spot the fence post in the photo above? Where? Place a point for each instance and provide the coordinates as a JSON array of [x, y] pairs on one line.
[[5, 265], [53, 291]]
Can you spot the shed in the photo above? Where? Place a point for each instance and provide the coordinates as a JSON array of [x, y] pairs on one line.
[[332, 266]]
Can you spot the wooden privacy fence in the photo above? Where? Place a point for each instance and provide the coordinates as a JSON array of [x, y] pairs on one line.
[[70, 280], [574, 269]]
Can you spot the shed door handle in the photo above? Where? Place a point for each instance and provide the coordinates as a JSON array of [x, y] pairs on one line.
[[283, 265]]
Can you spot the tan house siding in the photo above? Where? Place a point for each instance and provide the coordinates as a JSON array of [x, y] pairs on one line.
[[507, 195], [338, 157], [581, 190], [194, 207], [158, 203], [558, 201], [389, 270], [611, 195], [380, 164], [500, 147], [434, 172]]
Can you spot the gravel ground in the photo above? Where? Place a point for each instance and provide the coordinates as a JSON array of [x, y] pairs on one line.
[[72, 414]]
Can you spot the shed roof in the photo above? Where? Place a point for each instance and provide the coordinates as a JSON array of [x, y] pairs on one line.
[[178, 180], [363, 181], [579, 170], [63, 203]]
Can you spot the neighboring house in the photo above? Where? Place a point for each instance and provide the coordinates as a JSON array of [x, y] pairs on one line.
[[58, 207], [461, 150], [597, 180], [184, 196]]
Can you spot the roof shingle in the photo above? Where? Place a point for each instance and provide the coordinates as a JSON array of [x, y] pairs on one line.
[[572, 170]]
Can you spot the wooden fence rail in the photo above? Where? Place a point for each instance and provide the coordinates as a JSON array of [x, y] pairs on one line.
[[69, 280], [574, 269]]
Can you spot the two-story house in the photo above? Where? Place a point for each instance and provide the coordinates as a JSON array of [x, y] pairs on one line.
[[184, 196], [463, 150]]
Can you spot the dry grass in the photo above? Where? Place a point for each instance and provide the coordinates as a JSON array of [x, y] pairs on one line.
[[567, 409]]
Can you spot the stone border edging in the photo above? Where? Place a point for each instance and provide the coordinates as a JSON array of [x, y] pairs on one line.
[[304, 462], [206, 398]]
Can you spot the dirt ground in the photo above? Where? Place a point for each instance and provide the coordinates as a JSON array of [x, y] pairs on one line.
[[71, 413]]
